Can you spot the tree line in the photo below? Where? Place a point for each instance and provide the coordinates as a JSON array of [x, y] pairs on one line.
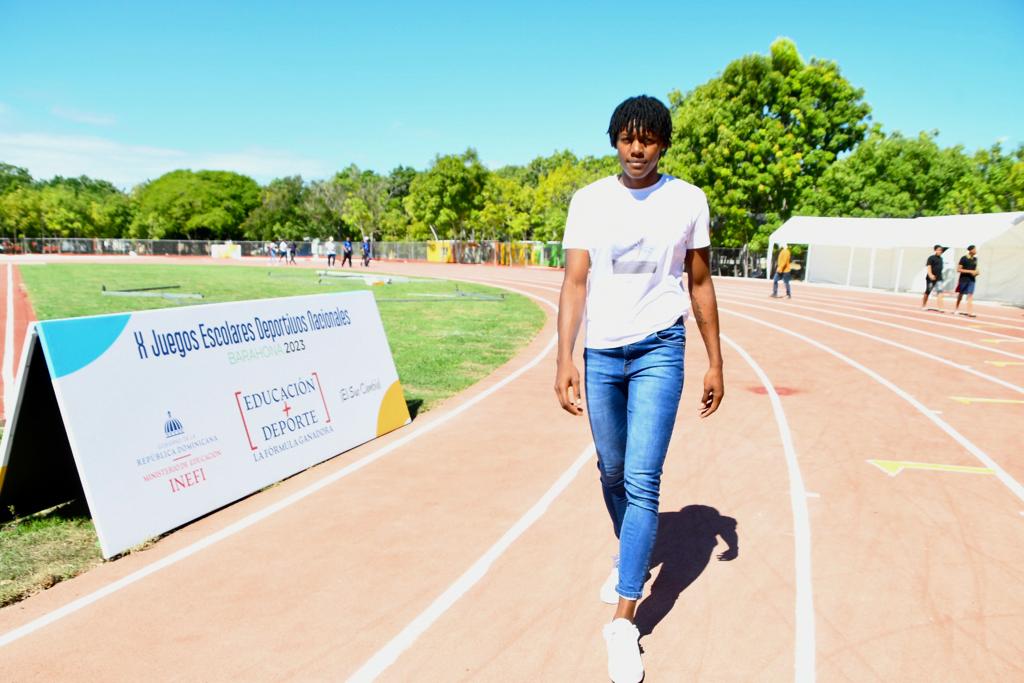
[[770, 137]]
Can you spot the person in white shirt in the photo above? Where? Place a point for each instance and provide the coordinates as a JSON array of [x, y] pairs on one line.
[[628, 241], [332, 252]]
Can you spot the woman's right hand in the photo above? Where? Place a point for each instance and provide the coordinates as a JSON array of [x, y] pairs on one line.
[[567, 388]]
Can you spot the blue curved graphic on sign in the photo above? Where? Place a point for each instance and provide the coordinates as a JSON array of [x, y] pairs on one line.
[[72, 344]]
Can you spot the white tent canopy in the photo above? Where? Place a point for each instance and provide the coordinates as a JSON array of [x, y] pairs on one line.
[[890, 253]]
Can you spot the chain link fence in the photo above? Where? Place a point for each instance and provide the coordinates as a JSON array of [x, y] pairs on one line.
[[81, 245], [739, 262]]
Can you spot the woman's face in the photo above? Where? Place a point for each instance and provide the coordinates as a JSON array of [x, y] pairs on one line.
[[639, 152]]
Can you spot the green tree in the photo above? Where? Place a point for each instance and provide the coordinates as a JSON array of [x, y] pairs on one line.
[[66, 207], [194, 205], [561, 175], [506, 207], [63, 213], [101, 209], [1015, 182], [361, 217], [112, 217], [446, 195], [21, 213], [366, 200], [322, 208], [755, 137], [893, 176], [394, 223], [13, 177], [533, 172], [279, 213], [399, 181], [552, 196], [995, 183]]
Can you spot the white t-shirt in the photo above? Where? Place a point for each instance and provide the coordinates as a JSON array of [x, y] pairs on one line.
[[637, 241]]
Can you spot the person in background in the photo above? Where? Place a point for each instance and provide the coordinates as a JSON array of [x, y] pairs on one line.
[[282, 252], [933, 278], [346, 252], [968, 269], [366, 251], [271, 251], [291, 252], [783, 266], [332, 252]]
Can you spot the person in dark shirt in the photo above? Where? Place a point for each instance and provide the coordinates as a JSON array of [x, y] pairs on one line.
[[346, 252], [933, 278], [968, 269]]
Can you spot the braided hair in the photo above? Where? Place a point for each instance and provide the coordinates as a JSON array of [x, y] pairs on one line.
[[641, 114]]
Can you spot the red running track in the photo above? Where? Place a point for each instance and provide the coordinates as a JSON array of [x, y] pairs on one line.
[[475, 548]]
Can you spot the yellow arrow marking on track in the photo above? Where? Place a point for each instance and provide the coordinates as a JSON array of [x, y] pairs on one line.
[[894, 467], [1004, 363], [1003, 341], [968, 400]]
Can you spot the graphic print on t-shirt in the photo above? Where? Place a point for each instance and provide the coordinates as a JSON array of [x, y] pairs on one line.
[[634, 258]]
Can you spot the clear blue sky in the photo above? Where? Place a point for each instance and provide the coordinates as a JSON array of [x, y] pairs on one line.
[[127, 91]]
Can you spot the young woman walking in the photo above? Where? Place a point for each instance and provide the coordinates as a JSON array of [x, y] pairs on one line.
[[629, 238]]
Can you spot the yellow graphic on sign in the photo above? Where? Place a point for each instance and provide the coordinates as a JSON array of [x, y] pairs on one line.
[[894, 467], [968, 400], [393, 411], [440, 252]]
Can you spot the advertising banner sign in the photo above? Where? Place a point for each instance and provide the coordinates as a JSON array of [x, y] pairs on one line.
[[226, 251], [172, 413]]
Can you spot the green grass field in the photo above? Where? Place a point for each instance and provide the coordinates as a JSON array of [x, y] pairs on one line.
[[442, 342], [440, 345]]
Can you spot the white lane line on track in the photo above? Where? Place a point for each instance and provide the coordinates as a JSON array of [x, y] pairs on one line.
[[825, 294], [913, 330], [7, 371], [981, 455], [387, 655], [911, 349], [804, 655], [251, 519], [932, 321]]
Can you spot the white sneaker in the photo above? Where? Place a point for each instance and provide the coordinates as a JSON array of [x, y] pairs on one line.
[[608, 594], [624, 663]]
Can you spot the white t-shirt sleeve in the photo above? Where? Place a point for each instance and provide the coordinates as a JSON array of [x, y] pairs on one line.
[[700, 231], [576, 232]]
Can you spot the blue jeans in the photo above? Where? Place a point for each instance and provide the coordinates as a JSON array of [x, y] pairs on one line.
[[632, 397], [775, 283]]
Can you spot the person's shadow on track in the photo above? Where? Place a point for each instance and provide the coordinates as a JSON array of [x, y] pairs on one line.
[[686, 540]]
